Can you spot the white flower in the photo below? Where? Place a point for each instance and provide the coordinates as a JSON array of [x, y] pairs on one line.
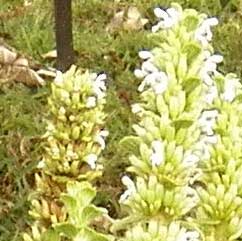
[[130, 189], [209, 114], [139, 73], [191, 236], [202, 150], [157, 157], [208, 120], [41, 164], [216, 58], [197, 174], [99, 86], [91, 159], [230, 88], [210, 67], [148, 67], [160, 87], [211, 94], [190, 159], [204, 33], [59, 78], [144, 54], [136, 108], [168, 18], [158, 81], [91, 102], [100, 138], [210, 139], [160, 13]]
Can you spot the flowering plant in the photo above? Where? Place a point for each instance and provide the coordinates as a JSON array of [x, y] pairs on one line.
[[185, 156], [73, 141]]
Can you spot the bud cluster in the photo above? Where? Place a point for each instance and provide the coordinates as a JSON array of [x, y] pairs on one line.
[[73, 141]]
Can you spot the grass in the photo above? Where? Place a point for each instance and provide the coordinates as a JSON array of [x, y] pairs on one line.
[[30, 31]]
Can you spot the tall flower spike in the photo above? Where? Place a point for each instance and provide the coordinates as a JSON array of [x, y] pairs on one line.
[[73, 141]]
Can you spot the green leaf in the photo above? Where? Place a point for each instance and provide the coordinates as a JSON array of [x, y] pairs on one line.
[[51, 235], [91, 235], [66, 229], [91, 212], [70, 203], [82, 192]]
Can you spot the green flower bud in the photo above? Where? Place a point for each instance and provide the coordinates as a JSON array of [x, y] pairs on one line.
[[75, 133]]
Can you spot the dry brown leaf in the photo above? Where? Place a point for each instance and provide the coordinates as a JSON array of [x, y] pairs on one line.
[[21, 62], [116, 22], [48, 73], [16, 68], [7, 56], [129, 20], [134, 20]]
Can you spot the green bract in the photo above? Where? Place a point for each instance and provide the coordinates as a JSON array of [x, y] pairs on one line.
[[81, 213]]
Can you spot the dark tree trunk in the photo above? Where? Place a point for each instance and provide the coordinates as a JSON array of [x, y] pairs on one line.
[[64, 38]]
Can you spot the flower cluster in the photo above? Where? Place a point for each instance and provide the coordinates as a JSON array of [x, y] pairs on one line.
[[155, 230], [75, 135], [188, 133], [73, 141]]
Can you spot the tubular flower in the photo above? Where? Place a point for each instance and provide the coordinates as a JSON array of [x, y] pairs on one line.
[[167, 18], [157, 157], [130, 188], [204, 33]]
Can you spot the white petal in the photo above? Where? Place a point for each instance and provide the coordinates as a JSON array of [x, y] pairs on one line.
[[147, 66], [216, 58], [104, 133], [150, 79], [157, 157], [41, 164], [169, 22], [160, 88], [127, 181], [175, 15], [145, 54], [91, 160], [136, 108], [91, 102], [59, 78], [211, 21], [139, 73], [101, 77], [160, 13], [229, 94], [211, 94], [190, 160], [142, 86], [155, 28]]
